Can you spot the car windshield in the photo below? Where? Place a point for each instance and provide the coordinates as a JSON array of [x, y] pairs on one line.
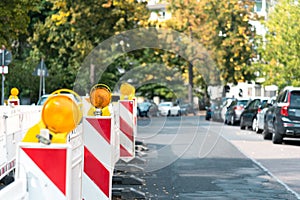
[[42, 100], [165, 104], [242, 102], [144, 106]]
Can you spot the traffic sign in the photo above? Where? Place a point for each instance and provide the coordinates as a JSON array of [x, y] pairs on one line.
[[7, 57], [41, 70], [3, 70]]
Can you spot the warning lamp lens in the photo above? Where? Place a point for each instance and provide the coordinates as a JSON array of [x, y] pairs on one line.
[[127, 89], [60, 114], [100, 97]]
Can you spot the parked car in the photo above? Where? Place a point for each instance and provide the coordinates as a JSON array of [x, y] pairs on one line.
[[186, 109], [168, 109], [42, 99], [210, 110], [143, 109], [147, 109], [248, 116], [234, 110], [220, 112], [261, 115], [283, 118]]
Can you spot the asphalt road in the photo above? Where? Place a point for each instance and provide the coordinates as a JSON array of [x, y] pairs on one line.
[[190, 158]]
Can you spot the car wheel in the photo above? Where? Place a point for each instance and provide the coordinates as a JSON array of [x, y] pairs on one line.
[[259, 130], [242, 126], [276, 137], [232, 120], [225, 121], [266, 133]]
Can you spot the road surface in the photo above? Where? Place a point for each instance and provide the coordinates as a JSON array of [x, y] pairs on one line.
[[190, 158]]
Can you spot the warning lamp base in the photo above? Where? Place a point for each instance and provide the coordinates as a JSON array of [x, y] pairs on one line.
[[43, 140], [98, 112]]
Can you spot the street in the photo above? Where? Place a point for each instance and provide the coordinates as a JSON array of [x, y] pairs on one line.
[[190, 158]]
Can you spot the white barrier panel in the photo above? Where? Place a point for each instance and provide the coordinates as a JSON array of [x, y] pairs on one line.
[[47, 169], [15, 191], [127, 127], [12, 128], [30, 115], [52, 171], [99, 157]]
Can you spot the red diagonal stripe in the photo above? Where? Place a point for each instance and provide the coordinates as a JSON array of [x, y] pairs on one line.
[[52, 162], [124, 152], [128, 105], [102, 126], [96, 172], [126, 129]]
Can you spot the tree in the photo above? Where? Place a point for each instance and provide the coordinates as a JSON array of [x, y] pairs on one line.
[[14, 19], [72, 30], [14, 22], [223, 28], [280, 51]]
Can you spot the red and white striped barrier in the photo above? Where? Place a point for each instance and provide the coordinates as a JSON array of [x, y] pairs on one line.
[[100, 139], [48, 171], [127, 126]]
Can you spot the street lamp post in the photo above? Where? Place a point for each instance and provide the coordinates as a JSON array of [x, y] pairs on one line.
[[3, 77]]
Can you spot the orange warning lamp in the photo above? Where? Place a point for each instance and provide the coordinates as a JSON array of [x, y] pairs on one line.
[[100, 96], [61, 113], [127, 91]]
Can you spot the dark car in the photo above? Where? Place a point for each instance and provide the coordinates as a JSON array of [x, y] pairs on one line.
[[211, 111], [234, 110], [282, 119], [248, 116], [186, 109], [147, 109], [259, 127]]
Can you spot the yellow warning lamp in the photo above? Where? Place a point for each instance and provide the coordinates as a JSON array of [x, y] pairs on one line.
[[60, 115], [127, 91], [100, 97], [14, 93]]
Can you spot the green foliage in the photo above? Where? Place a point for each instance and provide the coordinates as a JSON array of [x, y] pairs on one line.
[[280, 51], [14, 19], [223, 28], [72, 30]]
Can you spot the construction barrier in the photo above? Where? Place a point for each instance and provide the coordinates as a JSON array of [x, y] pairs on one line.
[[127, 128], [99, 157], [48, 171], [53, 163], [14, 122]]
